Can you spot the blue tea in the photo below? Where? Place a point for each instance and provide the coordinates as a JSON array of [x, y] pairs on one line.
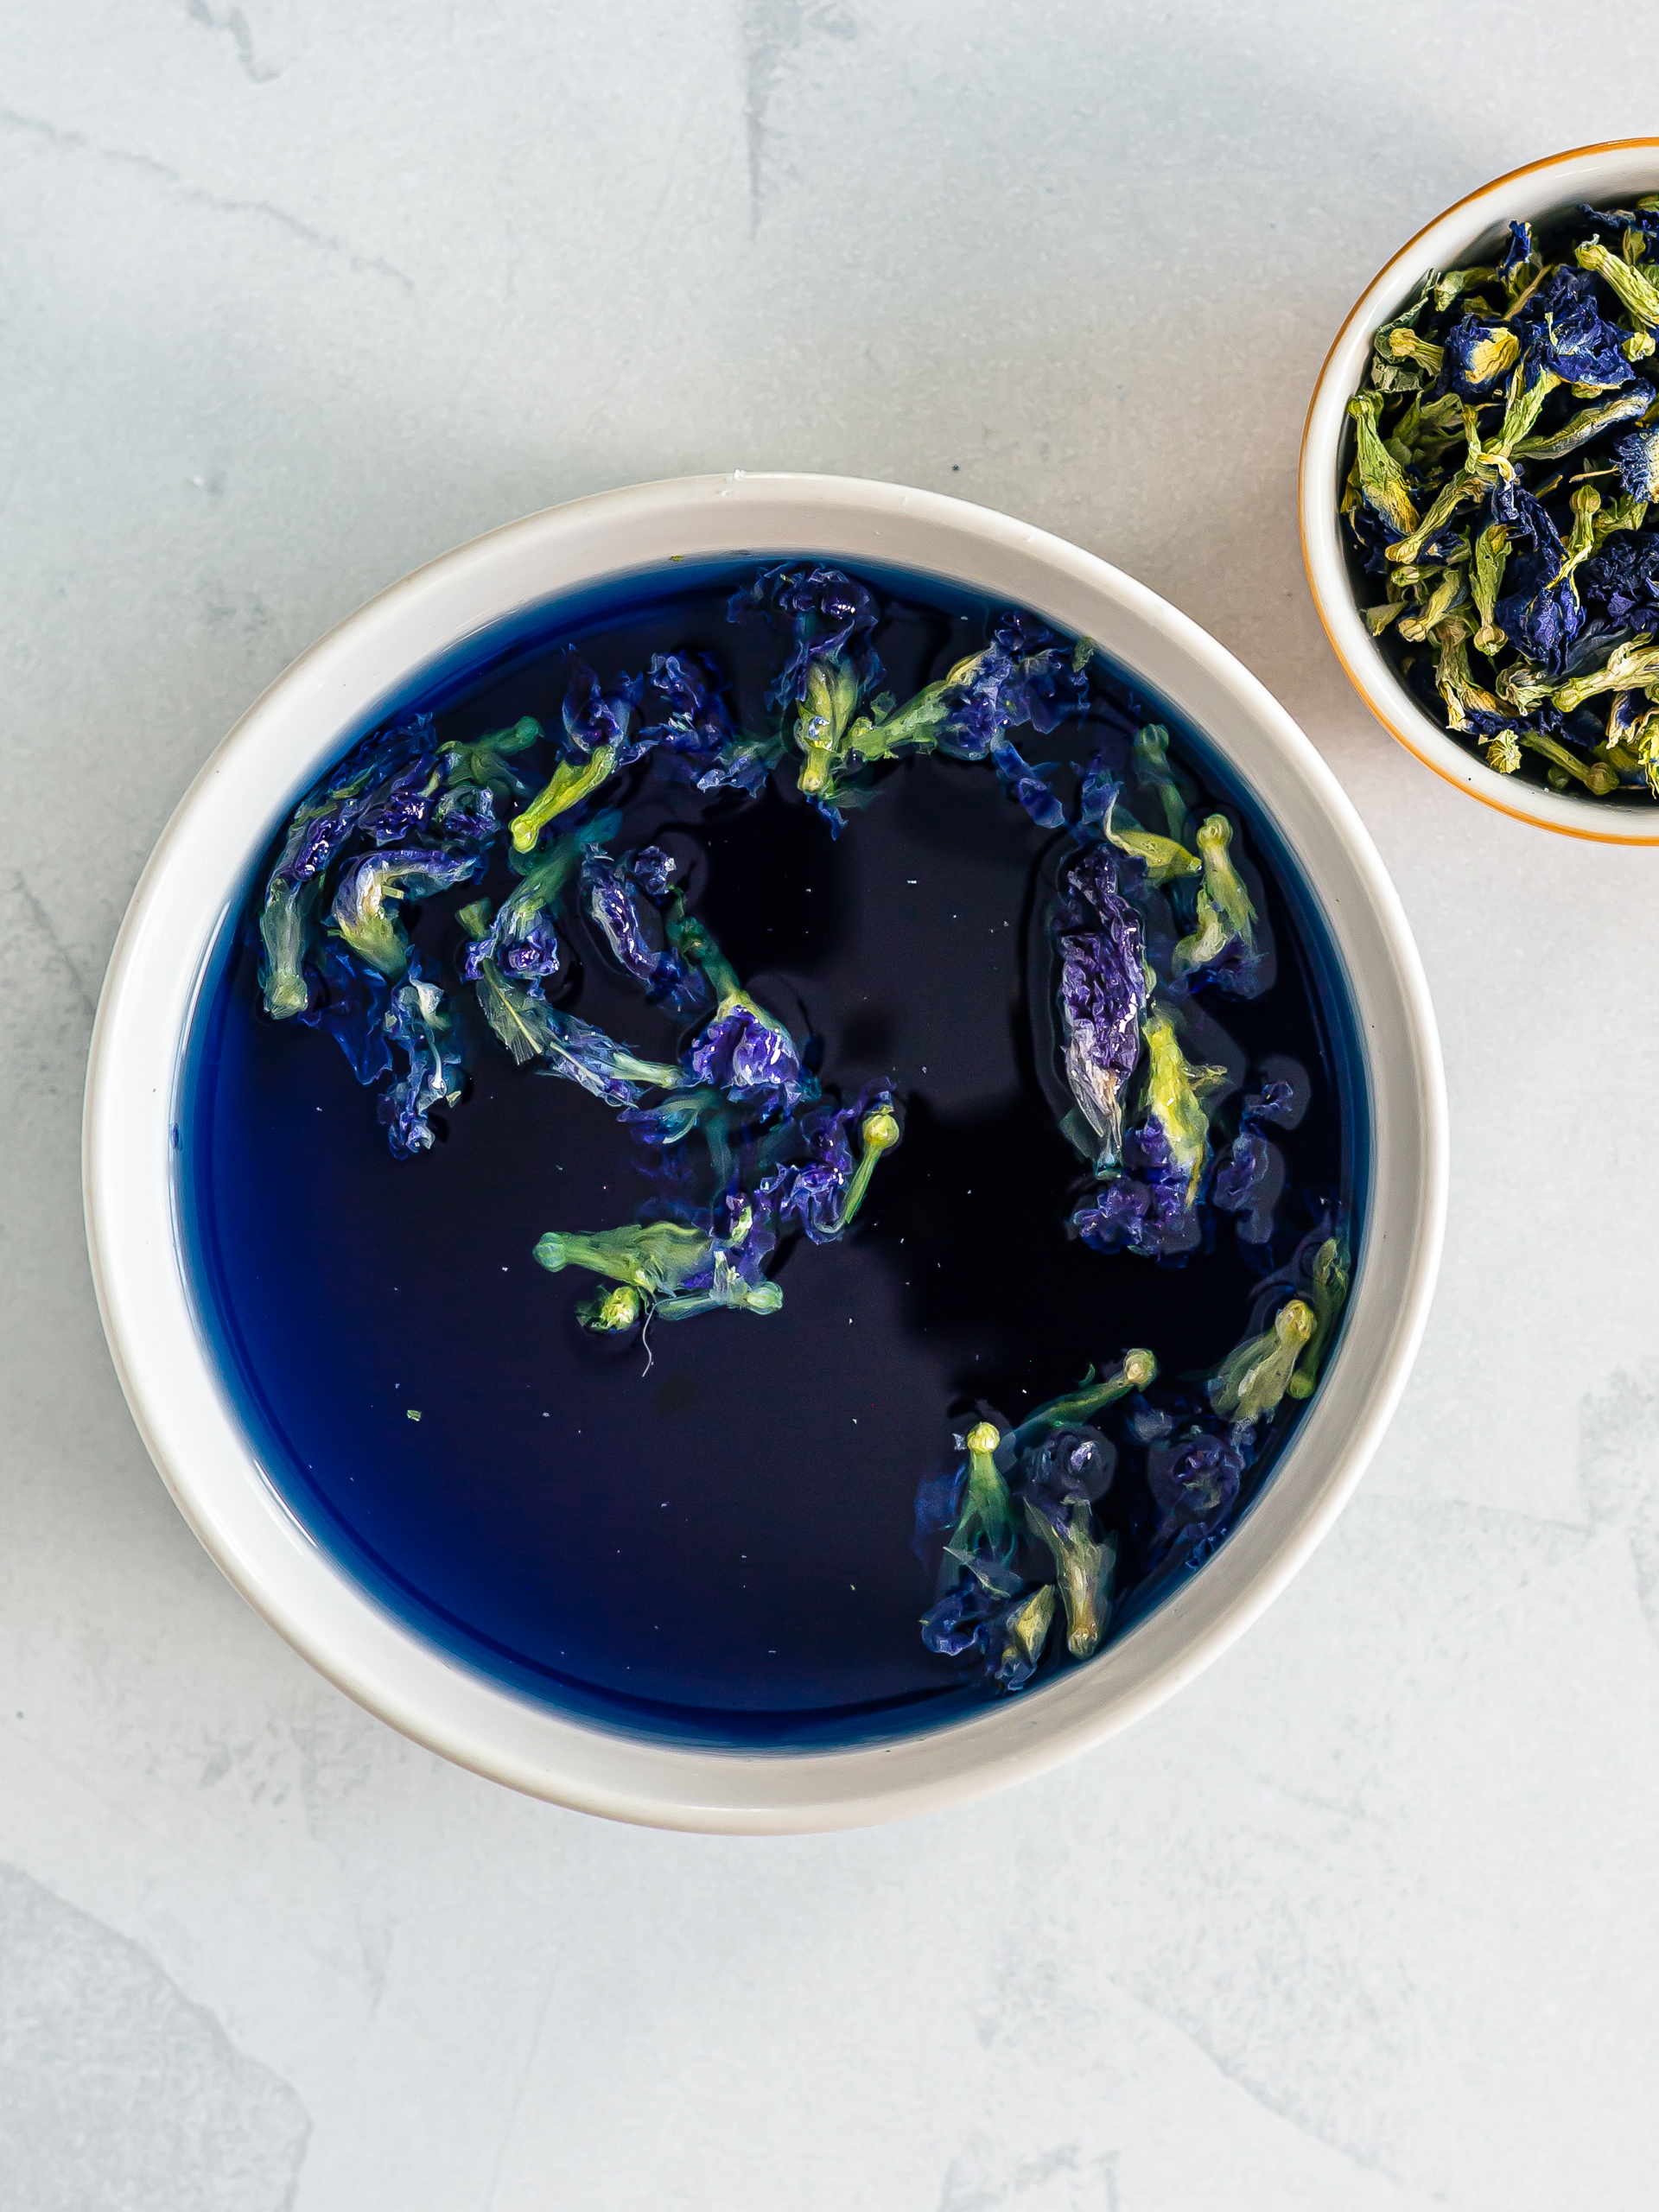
[[772, 1155]]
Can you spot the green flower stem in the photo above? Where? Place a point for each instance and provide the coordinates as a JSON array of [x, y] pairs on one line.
[[566, 787]]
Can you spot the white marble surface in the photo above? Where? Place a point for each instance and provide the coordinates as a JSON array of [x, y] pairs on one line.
[[296, 296]]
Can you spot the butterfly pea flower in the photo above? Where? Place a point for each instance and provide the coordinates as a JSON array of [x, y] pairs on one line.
[[318, 829], [614, 1312], [1328, 1281], [825, 1191], [352, 1011], [1083, 1568], [697, 740], [418, 1022], [465, 814], [1023, 1632], [1598, 777], [1590, 423], [1069, 1462], [1175, 1088], [1449, 288], [1103, 997], [986, 1515], [1152, 767], [371, 890], [619, 898], [1194, 1480], [1135, 1372], [1144, 1211], [743, 1050], [1636, 291], [1102, 815], [485, 760], [965, 1622], [654, 1257], [597, 726], [1381, 482], [1492, 552], [1392, 371], [1005, 1637], [1255, 1377], [1477, 355], [1633, 662], [1449, 590], [1463, 488], [1223, 943], [1250, 1178], [523, 942], [726, 1290]]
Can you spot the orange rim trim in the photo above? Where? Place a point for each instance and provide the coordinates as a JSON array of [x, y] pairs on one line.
[[1515, 814]]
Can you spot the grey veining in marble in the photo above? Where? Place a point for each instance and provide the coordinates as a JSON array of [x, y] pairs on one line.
[[296, 296]]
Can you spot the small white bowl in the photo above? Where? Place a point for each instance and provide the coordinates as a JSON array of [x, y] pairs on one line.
[[226, 817], [1606, 175]]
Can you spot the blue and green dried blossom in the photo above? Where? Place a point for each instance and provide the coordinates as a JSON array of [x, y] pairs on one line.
[[1253, 1378], [1102, 815], [599, 741], [372, 888], [522, 941], [680, 1268], [824, 1193], [742, 1050], [1103, 993], [319, 831], [418, 1024], [1084, 1562], [520, 1019], [1508, 546]]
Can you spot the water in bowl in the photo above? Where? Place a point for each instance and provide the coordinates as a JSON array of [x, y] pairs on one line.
[[708, 1536]]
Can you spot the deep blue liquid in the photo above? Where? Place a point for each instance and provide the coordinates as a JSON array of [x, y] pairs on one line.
[[717, 1548]]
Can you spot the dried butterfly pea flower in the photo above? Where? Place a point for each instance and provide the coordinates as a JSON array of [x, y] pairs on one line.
[[1101, 815], [987, 1515], [1249, 1179], [522, 941], [743, 1050], [318, 831], [1152, 1208], [1328, 1283], [1070, 1461], [417, 1023], [1175, 1089], [484, 760], [1151, 754], [619, 898], [652, 1256], [731, 1276], [597, 727], [1224, 944], [1022, 1631], [1093, 1394], [371, 890], [1195, 1481], [352, 1011], [530, 1029], [1102, 998], [1255, 1377], [1084, 1565], [1382, 481], [1005, 1638], [614, 1312]]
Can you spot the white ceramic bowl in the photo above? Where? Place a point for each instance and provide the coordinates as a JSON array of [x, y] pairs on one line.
[[1605, 175], [248, 786]]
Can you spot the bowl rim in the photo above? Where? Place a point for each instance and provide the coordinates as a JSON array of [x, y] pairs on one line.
[[1360, 657], [170, 1376]]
